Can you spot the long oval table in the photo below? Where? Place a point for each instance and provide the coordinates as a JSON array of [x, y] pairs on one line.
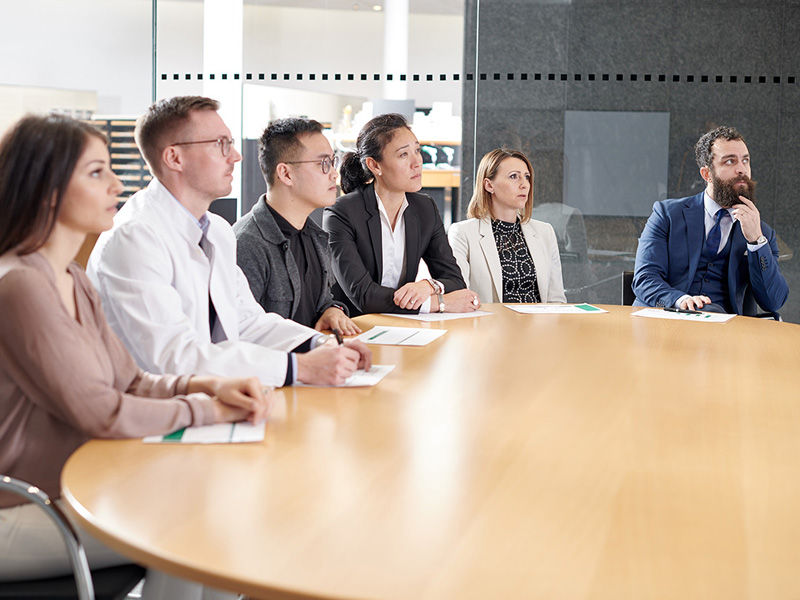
[[518, 456]]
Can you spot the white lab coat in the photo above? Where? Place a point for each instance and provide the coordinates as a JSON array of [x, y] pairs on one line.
[[155, 280]]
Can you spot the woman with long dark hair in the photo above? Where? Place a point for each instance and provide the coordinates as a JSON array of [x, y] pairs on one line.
[[381, 228], [64, 376]]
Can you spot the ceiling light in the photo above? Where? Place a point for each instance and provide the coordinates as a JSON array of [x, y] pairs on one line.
[[377, 7]]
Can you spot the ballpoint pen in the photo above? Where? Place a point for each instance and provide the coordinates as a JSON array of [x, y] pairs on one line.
[[338, 335], [682, 310]]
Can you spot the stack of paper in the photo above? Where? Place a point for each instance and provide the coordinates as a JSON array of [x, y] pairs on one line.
[[703, 317], [556, 309], [221, 433], [400, 336]]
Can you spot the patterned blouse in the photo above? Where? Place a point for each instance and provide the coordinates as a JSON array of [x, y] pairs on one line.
[[519, 272]]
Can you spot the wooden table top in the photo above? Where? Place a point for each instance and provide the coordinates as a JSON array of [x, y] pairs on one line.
[[517, 456]]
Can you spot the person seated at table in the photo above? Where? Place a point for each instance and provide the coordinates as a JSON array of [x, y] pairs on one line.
[[504, 255], [381, 228], [711, 251], [64, 375], [167, 270], [281, 251]]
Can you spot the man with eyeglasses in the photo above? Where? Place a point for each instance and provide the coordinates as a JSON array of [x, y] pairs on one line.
[[283, 253], [167, 272]]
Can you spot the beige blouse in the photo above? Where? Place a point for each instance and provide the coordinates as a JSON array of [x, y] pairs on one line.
[[64, 381]]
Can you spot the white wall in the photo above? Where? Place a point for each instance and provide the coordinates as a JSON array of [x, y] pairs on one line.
[[105, 46], [79, 45], [304, 40], [18, 100]]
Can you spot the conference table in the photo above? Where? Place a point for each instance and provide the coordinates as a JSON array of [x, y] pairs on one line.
[[581, 456]]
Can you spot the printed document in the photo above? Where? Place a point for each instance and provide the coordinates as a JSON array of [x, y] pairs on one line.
[[400, 336], [556, 309], [703, 317], [221, 433]]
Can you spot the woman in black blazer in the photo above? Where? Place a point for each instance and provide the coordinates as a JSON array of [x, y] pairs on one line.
[[381, 228]]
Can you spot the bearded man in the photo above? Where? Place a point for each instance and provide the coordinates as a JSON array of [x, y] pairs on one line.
[[711, 251]]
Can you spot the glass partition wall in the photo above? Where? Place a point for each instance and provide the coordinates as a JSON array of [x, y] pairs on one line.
[[339, 62], [606, 98]]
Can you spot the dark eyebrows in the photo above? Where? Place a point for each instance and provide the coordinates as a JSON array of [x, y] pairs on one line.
[[415, 144], [733, 156]]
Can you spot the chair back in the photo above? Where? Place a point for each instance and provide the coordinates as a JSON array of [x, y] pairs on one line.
[[77, 556], [627, 289]]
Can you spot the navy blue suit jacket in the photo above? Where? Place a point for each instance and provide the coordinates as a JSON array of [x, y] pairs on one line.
[[669, 252]]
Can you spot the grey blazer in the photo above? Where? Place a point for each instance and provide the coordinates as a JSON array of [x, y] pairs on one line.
[[262, 252]]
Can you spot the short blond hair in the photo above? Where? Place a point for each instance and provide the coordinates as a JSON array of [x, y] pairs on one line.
[[480, 205]]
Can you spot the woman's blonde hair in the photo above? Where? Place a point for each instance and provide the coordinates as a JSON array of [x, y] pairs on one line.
[[480, 205]]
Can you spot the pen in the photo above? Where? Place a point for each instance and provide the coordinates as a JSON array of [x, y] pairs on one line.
[[682, 310], [338, 335]]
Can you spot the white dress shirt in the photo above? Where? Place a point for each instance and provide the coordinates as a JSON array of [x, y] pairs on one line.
[[155, 282], [393, 249], [725, 227]]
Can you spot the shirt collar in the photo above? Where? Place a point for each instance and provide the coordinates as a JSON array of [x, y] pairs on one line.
[[711, 206], [202, 223], [287, 229], [383, 210]]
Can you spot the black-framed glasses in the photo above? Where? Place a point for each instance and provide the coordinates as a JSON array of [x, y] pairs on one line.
[[325, 163], [223, 143]]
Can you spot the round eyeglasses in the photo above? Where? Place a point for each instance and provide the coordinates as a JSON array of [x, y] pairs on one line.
[[223, 143], [325, 163]]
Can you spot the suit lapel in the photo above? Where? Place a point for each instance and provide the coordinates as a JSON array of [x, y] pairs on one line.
[[695, 233], [271, 233], [489, 249], [413, 253], [540, 263], [374, 227]]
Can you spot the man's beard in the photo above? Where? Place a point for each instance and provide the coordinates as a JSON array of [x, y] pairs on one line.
[[726, 194]]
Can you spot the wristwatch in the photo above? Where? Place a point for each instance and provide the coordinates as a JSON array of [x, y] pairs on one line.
[[761, 240], [441, 302], [438, 288]]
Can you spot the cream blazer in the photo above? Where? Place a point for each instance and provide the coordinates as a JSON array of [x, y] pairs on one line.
[[476, 254]]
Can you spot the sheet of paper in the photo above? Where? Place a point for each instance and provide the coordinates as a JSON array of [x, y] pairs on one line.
[[221, 433], [703, 317], [556, 309], [400, 336], [360, 378], [429, 317]]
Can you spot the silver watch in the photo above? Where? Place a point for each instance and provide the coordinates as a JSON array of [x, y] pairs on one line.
[[438, 288], [441, 302]]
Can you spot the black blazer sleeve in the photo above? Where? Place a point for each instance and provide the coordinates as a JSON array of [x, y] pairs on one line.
[[438, 254]]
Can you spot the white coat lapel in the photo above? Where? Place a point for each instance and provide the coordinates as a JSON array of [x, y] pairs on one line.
[[489, 249], [540, 261]]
